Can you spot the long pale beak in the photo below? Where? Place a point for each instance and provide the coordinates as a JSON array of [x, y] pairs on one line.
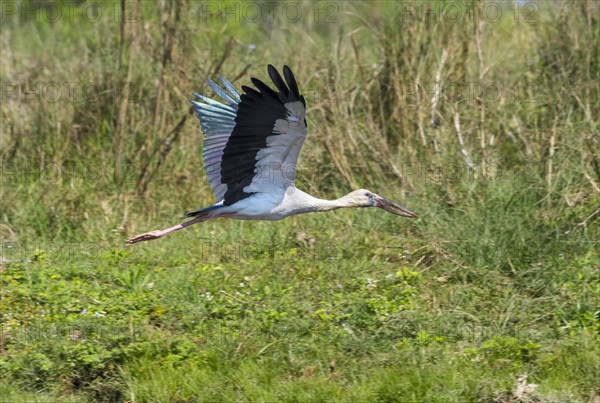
[[393, 208]]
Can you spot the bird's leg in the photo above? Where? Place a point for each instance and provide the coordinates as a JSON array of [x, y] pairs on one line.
[[148, 236]]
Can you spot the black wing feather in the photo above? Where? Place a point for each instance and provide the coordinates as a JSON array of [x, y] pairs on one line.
[[291, 80], [257, 113], [278, 81]]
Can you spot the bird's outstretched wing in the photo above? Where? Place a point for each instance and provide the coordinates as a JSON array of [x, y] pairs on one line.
[[217, 121], [256, 140]]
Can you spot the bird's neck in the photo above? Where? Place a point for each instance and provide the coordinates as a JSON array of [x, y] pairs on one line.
[[298, 202], [314, 204], [328, 205]]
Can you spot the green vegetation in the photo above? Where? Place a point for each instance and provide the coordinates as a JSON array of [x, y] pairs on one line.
[[485, 126]]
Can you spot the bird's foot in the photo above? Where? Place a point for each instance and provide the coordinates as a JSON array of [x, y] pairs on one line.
[[148, 236]]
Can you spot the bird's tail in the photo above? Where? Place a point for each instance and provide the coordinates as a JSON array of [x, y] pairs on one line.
[[203, 211]]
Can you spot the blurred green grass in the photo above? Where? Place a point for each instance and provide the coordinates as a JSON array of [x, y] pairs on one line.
[[498, 279]]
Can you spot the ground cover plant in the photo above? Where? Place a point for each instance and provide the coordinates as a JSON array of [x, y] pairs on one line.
[[482, 117]]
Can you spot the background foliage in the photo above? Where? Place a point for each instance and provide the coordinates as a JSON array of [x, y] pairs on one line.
[[482, 117]]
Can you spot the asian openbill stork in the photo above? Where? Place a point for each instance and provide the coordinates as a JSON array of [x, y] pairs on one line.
[[250, 151]]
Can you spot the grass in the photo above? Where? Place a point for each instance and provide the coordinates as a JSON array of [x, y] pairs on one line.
[[491, 295]]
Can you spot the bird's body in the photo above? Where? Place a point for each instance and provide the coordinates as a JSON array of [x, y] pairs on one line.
[[250, 153], [276, 206]]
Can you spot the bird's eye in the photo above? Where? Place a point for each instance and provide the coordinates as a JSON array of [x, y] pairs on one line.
[[367, 194]]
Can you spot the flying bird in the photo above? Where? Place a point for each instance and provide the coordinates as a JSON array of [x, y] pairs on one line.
[[250, 152]]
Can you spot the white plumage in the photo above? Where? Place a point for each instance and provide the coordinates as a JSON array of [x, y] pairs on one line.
[[250, 153]]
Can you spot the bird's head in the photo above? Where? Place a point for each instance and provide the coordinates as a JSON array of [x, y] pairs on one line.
[[366, 198]]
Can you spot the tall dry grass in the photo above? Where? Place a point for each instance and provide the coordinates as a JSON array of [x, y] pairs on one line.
[[392, 88]]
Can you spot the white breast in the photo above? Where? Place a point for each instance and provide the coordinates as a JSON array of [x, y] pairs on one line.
[[273, 206]]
